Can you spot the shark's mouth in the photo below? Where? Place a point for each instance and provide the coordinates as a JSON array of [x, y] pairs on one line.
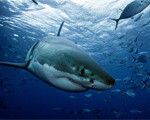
[[75, 83], [68, 84]]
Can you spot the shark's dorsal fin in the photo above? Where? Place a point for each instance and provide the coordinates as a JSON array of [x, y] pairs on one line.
[[58, 34]]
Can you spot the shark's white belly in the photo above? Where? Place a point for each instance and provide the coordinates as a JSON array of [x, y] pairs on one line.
[[55, 77]]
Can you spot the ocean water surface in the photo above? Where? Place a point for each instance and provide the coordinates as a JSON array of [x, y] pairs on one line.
[[88, 24]]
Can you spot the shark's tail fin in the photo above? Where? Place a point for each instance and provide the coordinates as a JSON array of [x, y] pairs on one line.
[[117, 21], [17, 65]]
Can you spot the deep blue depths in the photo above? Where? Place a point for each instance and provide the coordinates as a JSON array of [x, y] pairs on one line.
[[24, 96]]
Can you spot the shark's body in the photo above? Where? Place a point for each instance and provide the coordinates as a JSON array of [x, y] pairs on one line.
[[60, 63], [132, 9]]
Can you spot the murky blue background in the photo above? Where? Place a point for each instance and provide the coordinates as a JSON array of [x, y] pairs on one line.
[[88, 24]]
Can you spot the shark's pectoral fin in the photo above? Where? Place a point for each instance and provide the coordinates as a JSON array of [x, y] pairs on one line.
[[17, 65]]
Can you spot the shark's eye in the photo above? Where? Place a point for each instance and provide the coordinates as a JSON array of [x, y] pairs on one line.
[[91, 80], [141, 1], [82, 71]]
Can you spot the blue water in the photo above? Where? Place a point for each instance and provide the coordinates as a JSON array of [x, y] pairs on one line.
[[88, 24]]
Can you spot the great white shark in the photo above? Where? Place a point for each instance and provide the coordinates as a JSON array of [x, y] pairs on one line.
[[62, 64]]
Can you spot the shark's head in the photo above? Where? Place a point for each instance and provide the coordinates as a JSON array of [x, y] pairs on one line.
[[88, 73], [93, 79]]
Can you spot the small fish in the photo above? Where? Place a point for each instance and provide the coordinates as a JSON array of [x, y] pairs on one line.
[[88, 95], [135, 111], [72, 97], [138, 17], [99, 92], [136, 51], [116, 91], [35, 2], [142, 58], [121, 36], [118, 80], [124, 60], [129, 93], [140, 53], [141, 44], [136, 38], [19, 57], [15, 35], [117, 113], [131, 49], [6, 55], [143, 84], [127, 79], [147, 23], [124, 45], [132, 9], [140, 74]]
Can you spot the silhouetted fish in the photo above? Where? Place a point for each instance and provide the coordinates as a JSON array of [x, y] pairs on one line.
[[135, 111], [138, 17], [142, 58], [35, 2], [132, 9]]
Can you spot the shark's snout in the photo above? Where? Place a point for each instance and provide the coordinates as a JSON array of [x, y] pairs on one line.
[[106, 84], [110, 81]]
